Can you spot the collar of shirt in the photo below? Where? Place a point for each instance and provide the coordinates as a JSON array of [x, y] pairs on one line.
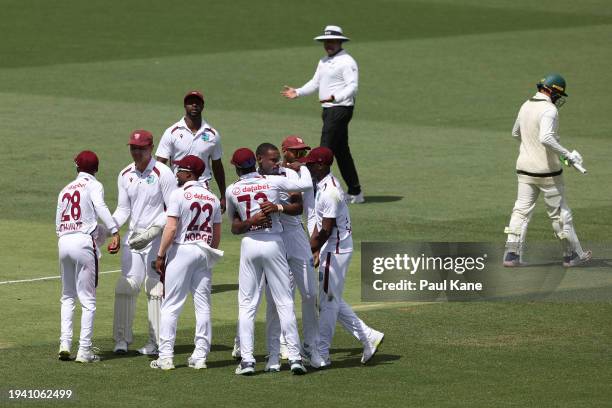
[[183, 124], [148, 169], [324, 180], [252, 174], [82, 174], [339, 53], [191, 183], [540, 95]]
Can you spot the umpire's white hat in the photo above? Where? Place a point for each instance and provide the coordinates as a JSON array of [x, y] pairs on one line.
[[332, 32]]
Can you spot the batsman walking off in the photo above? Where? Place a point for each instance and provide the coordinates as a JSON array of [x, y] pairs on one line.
[[539, 170]]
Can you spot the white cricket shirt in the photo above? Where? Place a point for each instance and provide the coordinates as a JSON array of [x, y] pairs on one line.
[[243, 197], [337, 75], [79, 205], [330, 202], [197, 209], [143, 196], [536, 126], [178, 141]]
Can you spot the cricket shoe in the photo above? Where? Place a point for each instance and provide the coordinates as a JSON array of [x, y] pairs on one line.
[[575, 260], [121, 347], [245, 368], [163, 364], [236, 350], [273, 364], [512, 260], [87, 355], [196, 363], [313, 358], [64, 352], [149, 349], [374, 342], [356, 199], [284, 351], [297, 368]]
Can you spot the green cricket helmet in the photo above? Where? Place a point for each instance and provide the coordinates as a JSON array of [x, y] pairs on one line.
[[555, 83]]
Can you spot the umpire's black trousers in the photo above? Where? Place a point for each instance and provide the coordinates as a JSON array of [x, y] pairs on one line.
[[335, 136]]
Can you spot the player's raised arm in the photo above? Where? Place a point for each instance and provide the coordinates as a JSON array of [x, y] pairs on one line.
[[304, 183]]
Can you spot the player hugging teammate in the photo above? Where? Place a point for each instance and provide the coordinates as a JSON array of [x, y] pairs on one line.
[[173, 237]]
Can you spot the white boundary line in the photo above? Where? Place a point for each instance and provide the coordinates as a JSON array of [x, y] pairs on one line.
[[48, 278]]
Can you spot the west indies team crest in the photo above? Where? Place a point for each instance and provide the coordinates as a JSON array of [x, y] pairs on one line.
[[205, 137], [150, 179]]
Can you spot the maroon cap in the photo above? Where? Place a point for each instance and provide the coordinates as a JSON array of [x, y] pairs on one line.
[[141, 137], [195, 93], [243, 158], [294, 142], [191, 163], [319, 155], [87, 161]]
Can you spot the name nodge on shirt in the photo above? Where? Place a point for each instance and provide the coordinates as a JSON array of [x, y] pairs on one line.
[[196, 209]]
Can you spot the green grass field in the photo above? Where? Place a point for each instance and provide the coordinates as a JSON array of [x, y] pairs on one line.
[[440, 84]]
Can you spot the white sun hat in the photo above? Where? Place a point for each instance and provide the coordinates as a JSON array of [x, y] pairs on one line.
[[332, 33]]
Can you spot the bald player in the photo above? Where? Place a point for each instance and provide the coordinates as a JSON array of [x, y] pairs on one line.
[[262, 254], [185, 259], [144, 188], [79, 205]]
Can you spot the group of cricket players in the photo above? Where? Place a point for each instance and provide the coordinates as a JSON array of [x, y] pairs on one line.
[[173, 239], [173, 242]]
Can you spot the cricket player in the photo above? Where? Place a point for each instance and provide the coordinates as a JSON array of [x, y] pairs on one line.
[[262, 254], [185, 259], [299, 258], [144, 192], [332, 239], [539, 170], [79, 205], [192, 135]]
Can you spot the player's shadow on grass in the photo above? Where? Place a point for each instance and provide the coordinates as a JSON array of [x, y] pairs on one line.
[[354, 358], [227, 287], [381, 199]]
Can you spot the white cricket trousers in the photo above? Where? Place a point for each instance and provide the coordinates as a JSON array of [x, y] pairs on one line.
[[264, 256], [79, 270], [553, 190], [333, 268], [186, 272], [302, 275]]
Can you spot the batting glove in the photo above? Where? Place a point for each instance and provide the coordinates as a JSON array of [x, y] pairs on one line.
[[140, 241]]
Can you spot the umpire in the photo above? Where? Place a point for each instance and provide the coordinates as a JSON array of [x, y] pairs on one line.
[[336, 79]]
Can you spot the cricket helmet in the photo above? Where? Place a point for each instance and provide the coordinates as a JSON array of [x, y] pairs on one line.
[[554, 82]]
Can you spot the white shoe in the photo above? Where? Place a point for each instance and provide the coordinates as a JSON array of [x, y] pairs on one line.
[[284, 352], [313, 358], [245, 368], [236, 351], [64, 352], [163, 364], [196, 363], [273, 364], [356, 199], [374, 342], [149, 349], [87, 356], [121, 347], [297, 368]]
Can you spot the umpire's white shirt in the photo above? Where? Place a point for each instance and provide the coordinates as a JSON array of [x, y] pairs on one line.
[[337, 75]]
